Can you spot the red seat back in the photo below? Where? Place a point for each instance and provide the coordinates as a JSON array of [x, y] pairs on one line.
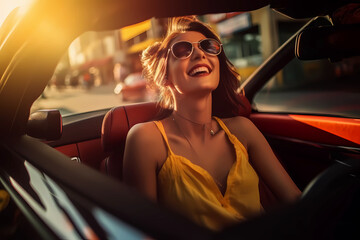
[[116, 125]]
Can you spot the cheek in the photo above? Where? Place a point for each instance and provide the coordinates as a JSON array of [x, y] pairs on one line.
[[175, 70]]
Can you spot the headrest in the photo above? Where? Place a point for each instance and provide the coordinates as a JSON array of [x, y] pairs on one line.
[[245, 108], [45, 124], [118, 121]]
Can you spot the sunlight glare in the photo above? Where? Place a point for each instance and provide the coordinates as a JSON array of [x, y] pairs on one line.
[[6, 6]]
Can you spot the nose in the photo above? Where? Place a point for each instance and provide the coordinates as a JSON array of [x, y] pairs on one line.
[[197, 52]]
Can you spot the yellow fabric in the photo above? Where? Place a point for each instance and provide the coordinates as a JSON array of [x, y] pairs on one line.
[[190, 190]]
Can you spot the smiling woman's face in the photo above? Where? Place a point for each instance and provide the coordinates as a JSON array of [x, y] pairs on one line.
[[199, 73]]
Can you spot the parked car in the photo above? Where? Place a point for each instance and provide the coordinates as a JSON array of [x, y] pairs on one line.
[[135, 89], [62, 175]]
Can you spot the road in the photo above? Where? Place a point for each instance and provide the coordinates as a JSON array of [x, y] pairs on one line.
[[73, 100]]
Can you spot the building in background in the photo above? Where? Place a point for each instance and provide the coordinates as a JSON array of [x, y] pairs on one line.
[[251, 37], [107, 56], [134, 39], [248, 38]]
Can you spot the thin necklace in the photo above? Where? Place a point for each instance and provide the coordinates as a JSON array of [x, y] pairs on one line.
[[212, 133], [192, 148]]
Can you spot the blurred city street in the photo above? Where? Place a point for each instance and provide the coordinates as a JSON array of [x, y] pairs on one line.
[[77, 99]]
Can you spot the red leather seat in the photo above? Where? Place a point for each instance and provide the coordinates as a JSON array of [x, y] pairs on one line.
[[117, 123]]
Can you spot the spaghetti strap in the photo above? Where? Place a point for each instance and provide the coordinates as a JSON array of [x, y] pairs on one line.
[[222, 125], [160, 126], [231, 136]]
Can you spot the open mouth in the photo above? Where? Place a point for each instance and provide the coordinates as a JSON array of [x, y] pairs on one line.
[[199, 70]]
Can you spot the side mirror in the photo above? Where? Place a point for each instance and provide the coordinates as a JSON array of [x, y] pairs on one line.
[[45, 124], [332, 42]]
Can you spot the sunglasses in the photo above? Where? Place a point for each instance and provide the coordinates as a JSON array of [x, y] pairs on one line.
[[183, 49]]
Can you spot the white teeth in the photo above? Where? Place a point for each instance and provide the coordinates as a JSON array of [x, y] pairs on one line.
[[199, 69]]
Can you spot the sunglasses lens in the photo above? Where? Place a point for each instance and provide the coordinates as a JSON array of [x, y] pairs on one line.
[[211, 46], [182, 49]]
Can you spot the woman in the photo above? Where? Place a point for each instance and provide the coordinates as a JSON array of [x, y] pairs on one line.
[[192, 161]]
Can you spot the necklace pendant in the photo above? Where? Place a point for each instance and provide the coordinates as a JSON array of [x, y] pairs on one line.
[[212, 133]]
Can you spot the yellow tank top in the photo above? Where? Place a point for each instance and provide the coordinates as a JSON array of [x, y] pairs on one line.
[[190, 190]]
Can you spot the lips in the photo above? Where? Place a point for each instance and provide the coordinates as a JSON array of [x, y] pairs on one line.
[[200, 69]]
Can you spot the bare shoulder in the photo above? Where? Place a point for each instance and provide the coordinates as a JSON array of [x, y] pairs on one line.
[[144, 141], [237, 121], [239, 124], [242, 127], [143, 133]]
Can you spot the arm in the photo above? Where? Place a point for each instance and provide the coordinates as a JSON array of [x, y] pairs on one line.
[[265, 162], [140, 159]]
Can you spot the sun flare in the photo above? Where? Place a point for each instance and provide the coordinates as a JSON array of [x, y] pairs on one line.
[[6, 6]]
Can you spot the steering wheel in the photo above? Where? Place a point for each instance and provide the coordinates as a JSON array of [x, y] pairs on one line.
[[331, 202], [329, 208]]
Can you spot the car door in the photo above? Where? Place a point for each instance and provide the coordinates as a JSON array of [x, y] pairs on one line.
[[308, 111], [81, 138]]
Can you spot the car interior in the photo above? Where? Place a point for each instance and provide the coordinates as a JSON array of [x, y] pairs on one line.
[[101, 143], [320, 152], [298, 140]]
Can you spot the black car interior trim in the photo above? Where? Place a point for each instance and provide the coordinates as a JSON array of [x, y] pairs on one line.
[[124, 203]]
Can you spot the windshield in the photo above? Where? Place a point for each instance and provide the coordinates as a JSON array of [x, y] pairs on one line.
[[101, 70]]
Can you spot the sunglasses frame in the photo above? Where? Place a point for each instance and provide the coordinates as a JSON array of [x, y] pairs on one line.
[[199, 46]]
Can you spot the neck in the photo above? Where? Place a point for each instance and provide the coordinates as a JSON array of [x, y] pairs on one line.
[[193, 116], [195, 109]]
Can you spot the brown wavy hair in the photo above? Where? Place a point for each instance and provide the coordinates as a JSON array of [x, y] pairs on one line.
[[225, 99]]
